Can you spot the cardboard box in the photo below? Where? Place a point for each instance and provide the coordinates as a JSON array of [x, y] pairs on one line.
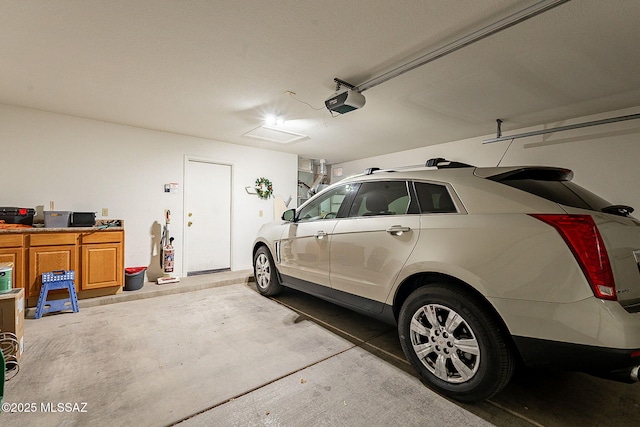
[[12, 305]]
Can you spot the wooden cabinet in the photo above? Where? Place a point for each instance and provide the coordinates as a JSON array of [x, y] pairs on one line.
[[50, 252], [97, 257], [12, 250], [102, 259]]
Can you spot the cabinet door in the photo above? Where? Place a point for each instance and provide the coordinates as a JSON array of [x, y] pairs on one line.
[[102, 266], [16, 256], [43, 259]]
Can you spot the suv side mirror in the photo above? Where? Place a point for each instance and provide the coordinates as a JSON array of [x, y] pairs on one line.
[[289, 215]]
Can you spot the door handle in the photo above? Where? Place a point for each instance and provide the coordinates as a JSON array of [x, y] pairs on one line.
[[397, 230], [189, 224], [320, 235]]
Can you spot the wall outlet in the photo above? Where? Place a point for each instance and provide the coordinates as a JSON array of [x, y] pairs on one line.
[[105, 211], [260, 213]]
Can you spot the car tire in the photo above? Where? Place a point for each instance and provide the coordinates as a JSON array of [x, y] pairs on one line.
[[455, 344], [265, 273]]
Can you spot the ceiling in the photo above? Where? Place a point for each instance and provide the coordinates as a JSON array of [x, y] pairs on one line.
[[213, 69]]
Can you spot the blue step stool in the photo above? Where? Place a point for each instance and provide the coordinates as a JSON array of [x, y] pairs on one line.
[[59, 279]]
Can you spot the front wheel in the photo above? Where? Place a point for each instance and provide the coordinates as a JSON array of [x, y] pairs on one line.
[[454, 343], [264, 271]]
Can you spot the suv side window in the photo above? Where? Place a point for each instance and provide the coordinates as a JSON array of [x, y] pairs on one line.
[[381, 198], [434, 198], [325, 206]]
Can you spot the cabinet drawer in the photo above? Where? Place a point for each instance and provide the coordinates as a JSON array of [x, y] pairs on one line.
[[49, 239], [102, 237], [11, 240]]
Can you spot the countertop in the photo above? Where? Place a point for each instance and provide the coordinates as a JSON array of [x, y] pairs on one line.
[[58, 230], [99, 227]]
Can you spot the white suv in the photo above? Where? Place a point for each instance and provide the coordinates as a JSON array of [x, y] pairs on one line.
[[479, 268]]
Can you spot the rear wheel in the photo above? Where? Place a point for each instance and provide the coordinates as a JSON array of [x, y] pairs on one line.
[[264, 271], [454, 343]]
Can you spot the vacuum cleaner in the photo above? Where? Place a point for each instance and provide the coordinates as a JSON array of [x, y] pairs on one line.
[[167, 253]]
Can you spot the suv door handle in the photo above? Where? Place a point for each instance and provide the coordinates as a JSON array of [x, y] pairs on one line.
[[320, 235], [397, 230]]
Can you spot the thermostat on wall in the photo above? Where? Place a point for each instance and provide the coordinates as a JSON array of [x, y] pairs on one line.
[[172, 187]]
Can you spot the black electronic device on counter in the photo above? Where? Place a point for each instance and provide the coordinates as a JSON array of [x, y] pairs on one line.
[[83, 219]]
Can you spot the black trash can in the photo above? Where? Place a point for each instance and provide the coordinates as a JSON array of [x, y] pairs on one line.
[[134, 278]]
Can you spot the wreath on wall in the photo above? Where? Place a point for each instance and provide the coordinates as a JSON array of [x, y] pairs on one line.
[[264, 188]]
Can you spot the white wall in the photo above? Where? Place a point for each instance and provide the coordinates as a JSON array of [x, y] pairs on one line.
[[85, 165], [605, 158]]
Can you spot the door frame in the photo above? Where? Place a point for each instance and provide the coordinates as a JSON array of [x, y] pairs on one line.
[[193, 158]]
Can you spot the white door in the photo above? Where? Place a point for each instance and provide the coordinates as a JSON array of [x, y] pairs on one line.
[[208, 217]]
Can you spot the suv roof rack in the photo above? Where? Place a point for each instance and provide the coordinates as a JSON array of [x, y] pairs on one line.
[[437, 162], [369, 171], [442, 163]]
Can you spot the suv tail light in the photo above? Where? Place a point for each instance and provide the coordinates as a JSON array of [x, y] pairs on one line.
[[583, 238]]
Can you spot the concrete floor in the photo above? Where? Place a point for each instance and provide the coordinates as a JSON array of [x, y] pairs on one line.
[[534, 397], [216, 356], [211, 351]]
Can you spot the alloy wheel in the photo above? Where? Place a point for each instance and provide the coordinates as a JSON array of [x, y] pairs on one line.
[[263, 271], [445, 343]]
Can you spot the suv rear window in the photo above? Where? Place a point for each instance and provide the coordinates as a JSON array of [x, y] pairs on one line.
[[553, 185]]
